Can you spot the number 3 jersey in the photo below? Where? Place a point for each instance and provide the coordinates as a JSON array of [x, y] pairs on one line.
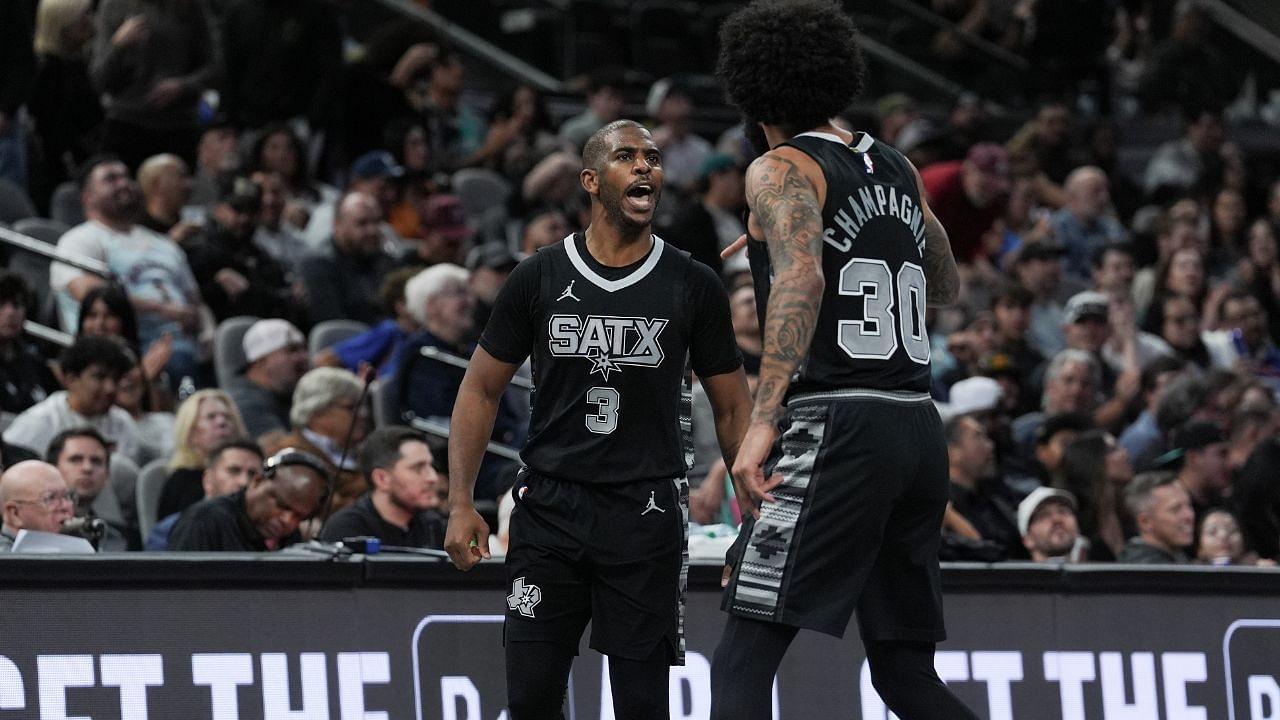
[[611, 350], [870, 331]]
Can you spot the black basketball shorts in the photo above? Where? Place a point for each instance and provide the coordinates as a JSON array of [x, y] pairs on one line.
[[856, 523], [612, 554]]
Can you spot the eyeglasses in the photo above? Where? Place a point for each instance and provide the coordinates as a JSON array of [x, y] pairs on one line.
[[1182, 319], [51, 499]]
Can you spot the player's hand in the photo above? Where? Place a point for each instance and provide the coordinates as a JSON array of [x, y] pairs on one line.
[[749, 482], [734, 247], [467, 537]]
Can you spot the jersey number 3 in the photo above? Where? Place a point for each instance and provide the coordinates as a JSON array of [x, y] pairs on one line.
[[891, 309], [605, 419]]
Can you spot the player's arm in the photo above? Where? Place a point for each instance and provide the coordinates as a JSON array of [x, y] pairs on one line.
[[731, 404], [942, 278], [467, 538], [786, 211]]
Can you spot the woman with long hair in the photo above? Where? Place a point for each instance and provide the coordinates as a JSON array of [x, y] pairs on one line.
[[1095, 468], [205, 420], [106, 311]]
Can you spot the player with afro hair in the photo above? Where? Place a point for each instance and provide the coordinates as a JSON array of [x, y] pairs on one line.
[[851, 527], [790, 63]]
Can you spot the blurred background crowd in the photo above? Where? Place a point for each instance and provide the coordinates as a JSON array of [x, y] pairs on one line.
[[260, 204]]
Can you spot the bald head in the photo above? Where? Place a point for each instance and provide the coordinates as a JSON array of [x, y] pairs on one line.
[[1088, 195], [357, 224], [165, 183], [34, 497]]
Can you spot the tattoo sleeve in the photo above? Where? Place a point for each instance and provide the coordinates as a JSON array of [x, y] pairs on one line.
[[941, 277], [785, 205]]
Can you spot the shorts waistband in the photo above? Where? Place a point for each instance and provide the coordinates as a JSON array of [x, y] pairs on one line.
[[902, 397]]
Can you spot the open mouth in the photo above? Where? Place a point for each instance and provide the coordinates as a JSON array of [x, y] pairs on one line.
[[641, 196]]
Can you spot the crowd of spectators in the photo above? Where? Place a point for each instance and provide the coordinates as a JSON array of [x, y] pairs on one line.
[[253, 179]]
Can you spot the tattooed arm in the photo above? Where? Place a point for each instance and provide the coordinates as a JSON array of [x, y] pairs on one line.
[[785, 211], [942, 279]]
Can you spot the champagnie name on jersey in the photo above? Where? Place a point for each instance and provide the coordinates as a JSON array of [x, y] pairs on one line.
[[607, 341], [870, 203]]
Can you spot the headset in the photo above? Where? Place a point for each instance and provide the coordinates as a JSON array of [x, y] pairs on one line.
[[294, 456]]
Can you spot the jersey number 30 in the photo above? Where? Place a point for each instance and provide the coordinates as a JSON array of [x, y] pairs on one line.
[[605, 419], [892, 308]]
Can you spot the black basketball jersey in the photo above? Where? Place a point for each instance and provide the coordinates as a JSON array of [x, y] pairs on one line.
[[611, 351], [870, 331]]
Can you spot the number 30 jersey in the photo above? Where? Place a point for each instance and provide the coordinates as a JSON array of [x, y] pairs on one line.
[[870, 331], [611, 350]]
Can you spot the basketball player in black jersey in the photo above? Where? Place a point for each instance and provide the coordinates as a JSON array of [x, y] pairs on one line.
[[613, 319], [842, 420]]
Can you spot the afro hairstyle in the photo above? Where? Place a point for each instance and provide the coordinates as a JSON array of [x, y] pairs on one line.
[[790, 63]]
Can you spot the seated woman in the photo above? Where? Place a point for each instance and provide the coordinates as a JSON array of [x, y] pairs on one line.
[[329, 421], [135, 396], [107, 312], [1220, 541], [1095, 468], [206, 420]]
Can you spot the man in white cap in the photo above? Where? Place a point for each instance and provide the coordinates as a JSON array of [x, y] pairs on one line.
[[1047, 521], [275, 354], [977, 394]]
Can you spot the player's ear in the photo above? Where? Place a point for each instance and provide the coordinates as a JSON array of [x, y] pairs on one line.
[[590, 180]]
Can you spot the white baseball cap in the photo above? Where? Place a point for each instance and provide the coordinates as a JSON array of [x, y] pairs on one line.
[[971, 395], [1038, 497], [268, 336]]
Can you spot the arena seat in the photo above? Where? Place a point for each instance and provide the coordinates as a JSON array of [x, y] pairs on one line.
[[15, 203], [150, 484], [65, 206], [42, 228], [331, 332], [228, 347]]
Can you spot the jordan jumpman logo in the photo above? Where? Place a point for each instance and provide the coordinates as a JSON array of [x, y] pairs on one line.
[[568, 293], [652, 505]]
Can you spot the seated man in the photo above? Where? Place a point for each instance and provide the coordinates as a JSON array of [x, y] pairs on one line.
[[152, 268], [275, 355], [975, 491], [232, 466], [400, 509], [1166, 521], [83, 458], [1047, 521], [428, 388], [329, 422], [33, 496], [263, 516], [90, 370]]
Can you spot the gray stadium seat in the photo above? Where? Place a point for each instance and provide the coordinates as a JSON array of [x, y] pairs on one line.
[[35, 270], [15, 203], [124, 484], [384, 403], [480, 190], [228, 347], [65, 205], [331, 332], [42, 229], [150, 484]]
